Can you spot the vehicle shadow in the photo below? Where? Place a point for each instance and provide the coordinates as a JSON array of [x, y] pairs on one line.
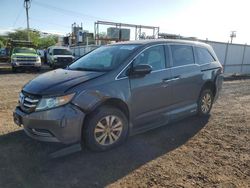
[[25, 163]]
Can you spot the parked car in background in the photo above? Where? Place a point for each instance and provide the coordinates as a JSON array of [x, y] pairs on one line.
[[3, 55], [23, 57], [59, 56], [120, 89]]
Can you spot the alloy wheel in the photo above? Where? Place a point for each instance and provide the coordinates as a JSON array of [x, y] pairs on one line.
[[206, 103], [108, 130]]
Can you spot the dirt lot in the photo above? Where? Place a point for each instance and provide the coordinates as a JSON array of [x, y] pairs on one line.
[[210, 152]]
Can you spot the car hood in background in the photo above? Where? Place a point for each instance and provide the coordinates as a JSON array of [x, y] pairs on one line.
[[24, 55], [58, 81]]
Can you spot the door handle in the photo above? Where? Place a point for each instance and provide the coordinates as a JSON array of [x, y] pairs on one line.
[[175, 78], [167, 80]]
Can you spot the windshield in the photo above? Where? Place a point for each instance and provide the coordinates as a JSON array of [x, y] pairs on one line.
[[104, 58], [24, 50], [61, 52]]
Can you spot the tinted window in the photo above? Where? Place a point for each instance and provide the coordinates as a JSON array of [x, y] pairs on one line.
[[204, 56], [153, 56], [182, 55]]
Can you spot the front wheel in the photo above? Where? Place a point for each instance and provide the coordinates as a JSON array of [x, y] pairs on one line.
[[106, 128], [205, 102], [14, 69], [38, 69]]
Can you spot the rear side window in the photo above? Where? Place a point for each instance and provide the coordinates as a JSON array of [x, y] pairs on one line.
[[182, 55], [204, 56]]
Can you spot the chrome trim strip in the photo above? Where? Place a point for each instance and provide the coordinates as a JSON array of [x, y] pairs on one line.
[[116, 78], [29, 105], [31, 100]]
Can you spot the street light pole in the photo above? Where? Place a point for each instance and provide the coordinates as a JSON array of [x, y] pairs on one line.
[[27, 6], [232, 35]]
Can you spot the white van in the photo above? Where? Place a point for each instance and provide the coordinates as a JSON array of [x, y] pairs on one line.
[[59, 56]]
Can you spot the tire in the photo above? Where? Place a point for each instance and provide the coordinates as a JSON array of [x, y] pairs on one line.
[[14, 69], [96, 134], [38, 69], [53, 66], [205, 102]]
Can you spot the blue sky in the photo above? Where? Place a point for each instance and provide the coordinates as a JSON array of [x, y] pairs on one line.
[[213, 19]]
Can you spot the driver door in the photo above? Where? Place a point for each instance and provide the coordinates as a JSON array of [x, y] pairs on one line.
[[151, 94]]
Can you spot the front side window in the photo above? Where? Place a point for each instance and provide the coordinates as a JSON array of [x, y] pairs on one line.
[[204, 56], [104, 58], [153, 56], [182, 55]]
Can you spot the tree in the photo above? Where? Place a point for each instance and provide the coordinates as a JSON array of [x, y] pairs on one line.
[[35, 37], [3, 41], [45, 42], [21, 34], [1, 44]]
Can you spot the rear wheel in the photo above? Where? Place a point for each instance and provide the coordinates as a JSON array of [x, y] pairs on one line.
[[205, 102], [105, 128]]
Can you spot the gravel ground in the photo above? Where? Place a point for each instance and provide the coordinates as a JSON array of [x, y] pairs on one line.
[[195, 152]]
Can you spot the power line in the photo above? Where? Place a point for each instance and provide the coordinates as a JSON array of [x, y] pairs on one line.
[[52, 23], [69, 12], [18, 15]]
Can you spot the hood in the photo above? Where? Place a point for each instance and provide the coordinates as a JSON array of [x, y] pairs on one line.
[[58, 81], [25, 55]]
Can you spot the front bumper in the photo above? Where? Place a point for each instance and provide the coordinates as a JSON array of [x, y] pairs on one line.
[[63, 124], [26, 64], [62, 63]]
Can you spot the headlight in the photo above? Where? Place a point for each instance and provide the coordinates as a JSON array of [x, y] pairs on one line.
[[38, 59], [48, 103], [55, 58]]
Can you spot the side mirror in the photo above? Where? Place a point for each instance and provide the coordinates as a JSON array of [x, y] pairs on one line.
[[140, 70], [50, 53]]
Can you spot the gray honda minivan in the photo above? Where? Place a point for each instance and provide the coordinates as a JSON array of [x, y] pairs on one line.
[[118, 90]]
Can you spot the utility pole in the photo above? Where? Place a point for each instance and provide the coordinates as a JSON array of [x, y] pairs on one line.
[[232, 35], [27, 6]]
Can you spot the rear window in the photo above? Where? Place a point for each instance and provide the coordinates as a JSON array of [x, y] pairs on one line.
[[182, 55], [204, 56]]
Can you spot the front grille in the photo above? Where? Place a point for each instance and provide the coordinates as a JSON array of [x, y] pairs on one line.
[[26, 59], [28, 102], [64, 60]]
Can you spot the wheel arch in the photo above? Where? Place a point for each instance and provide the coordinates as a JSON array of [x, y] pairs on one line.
[[112, 102], [209, 85]]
